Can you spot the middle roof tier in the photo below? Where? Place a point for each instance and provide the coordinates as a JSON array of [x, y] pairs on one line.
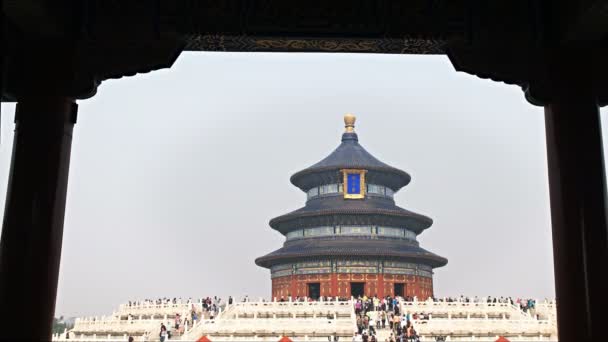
[[335, 210]]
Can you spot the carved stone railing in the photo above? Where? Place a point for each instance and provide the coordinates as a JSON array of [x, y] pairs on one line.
[[485, 327], [146, 309], [466, 309], [336, 309], [287, 327], [98, 338], [261, 318], [547, 311], [154, 309], [198, 328], [116, 326]]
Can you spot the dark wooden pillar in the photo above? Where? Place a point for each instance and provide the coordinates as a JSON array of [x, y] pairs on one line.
[[578, 213], [32, 230]]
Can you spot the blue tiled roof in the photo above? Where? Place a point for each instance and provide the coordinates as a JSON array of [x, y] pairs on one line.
[[350, 155], [336, 210], [351, 247]]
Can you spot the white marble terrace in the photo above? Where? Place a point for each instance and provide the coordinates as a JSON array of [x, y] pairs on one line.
[[315, 321]]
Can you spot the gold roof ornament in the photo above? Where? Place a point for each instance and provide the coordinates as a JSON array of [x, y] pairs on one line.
[[349, 122]]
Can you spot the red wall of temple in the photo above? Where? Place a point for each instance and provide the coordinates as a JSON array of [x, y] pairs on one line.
[[338, 285]]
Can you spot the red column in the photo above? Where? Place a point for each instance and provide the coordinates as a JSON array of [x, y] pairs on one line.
[[380, 288], [293, 286], [334, 285]]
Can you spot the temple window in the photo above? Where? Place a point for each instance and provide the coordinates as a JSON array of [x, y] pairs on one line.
[[295, 234], [390, 232], [313, 192], [410, 235], [375, 189], [320, 231], [338, 188], [356, 230]]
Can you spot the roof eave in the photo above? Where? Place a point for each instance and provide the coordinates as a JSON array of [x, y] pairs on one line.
[[267, 261]]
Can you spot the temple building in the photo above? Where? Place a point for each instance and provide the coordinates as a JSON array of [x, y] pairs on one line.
[[350, 239]]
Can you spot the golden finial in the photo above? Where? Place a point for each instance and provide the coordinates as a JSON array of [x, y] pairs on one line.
[[349, 122]]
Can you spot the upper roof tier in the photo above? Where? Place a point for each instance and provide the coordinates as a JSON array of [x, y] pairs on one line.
[[350, 155]]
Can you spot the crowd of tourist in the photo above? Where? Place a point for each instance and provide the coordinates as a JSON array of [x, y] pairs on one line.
[[524, 304], [165, 301], [205, 308], [198, 308], [373, 314]]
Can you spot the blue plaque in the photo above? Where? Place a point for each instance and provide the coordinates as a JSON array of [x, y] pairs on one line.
[[353, 183]]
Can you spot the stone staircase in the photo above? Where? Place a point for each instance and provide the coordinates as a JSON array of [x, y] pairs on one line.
[[269, 321], [460, 321], [383, 334]]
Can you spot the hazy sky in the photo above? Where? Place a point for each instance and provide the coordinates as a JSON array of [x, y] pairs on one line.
[[175, 174]]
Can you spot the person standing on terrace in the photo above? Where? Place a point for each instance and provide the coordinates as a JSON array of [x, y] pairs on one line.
[[163, 332]]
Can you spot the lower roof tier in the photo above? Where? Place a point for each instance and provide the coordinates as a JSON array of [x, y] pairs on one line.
[[351, 247]]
